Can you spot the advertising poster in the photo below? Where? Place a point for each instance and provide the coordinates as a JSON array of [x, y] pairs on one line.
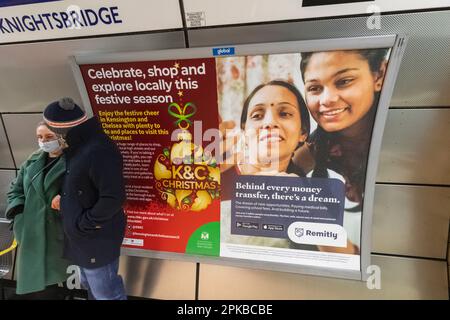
[[301, 131], [150, 109], [252, 157]]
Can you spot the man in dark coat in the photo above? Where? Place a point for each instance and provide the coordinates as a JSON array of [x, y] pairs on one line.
[[91, 200]]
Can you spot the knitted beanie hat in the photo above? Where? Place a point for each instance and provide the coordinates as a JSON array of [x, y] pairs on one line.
[[63, 115]]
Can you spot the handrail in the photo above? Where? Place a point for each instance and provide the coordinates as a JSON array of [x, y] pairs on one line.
[[11, 248]]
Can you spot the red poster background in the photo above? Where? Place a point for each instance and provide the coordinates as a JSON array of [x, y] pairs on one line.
[[150, 219]]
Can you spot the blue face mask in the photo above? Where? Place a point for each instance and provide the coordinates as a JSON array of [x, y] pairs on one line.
[[49, 146]]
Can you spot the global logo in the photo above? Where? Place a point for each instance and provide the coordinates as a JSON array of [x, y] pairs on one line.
[[299, 232], [223, 51]]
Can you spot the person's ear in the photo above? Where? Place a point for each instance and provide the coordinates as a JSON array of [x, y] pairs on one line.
[[302, 139], [379, 76], [62, 142]]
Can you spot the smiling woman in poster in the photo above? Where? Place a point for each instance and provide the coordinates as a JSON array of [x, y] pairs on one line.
[[342, 91], [274, 123]]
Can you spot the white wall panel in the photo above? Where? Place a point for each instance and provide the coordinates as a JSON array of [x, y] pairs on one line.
[[158, 279], [33, 75], [248, 11], [6, 161], [21, 130], [416, 147], [411, 221], [401, 278], [424, 73]]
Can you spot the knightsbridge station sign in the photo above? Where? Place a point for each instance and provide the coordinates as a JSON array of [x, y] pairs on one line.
[[38, 20]]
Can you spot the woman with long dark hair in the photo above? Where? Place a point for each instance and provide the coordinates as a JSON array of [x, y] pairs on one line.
[[342, 90]]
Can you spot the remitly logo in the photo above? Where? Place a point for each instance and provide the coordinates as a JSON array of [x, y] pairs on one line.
[[317, 233]]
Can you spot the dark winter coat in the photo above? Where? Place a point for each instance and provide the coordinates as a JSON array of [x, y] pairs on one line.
[[92, 197]]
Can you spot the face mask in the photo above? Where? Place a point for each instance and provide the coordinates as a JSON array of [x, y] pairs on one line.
[[49, 146]]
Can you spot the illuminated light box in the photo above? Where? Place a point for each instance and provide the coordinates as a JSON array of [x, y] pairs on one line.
[[259, 155]]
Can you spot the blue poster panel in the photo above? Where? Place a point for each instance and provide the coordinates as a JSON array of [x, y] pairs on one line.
[[11, 3]]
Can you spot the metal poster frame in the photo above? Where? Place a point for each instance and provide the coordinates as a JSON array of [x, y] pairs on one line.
[[397, 44]]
